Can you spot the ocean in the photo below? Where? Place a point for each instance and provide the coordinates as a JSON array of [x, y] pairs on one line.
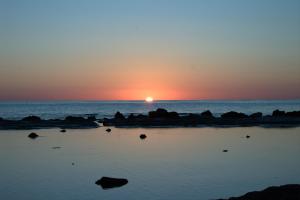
[[61, 109]]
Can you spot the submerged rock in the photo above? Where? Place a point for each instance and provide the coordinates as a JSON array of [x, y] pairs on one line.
[[284, 192], [143, 136], [107, 182], [33, 135]]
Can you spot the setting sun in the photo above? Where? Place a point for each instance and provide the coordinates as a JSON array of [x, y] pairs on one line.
[[149, 99]]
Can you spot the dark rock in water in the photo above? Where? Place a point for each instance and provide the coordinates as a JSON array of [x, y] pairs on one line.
[[32, 119], [107, 182], [143, 136], [91, 118], [173, 115], [284, 192], [225, 150], [74, 119], [63, 130], [1, 119], [206, 114], [247, 136], [73, 163], [293, 114], [108, 130], [278, 113], [119, 116], [234, 115], [159, 113], [256, 115], [33, 135], [56, 147]]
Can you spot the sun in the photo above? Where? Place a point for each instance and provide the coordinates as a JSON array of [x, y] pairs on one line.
[[149, 99]]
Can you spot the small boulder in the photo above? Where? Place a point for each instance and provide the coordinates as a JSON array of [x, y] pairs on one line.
[[33, 135], [143, 136], [278, 113], [257, 115], [107, 182], [225, 150], [63, 130], [119, 116], [247, 136], [108, 130], [234, 115], [32, 119], [206, 114]]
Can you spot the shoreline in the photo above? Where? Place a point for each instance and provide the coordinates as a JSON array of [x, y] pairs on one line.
[[160, 118]]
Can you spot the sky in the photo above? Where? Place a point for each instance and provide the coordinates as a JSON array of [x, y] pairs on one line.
[[167, 49]]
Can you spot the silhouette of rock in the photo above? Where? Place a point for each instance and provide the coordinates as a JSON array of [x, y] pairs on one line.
[[33, 135], [257, 115], [1, 119], [293, 114], [74, 119], [107, 182], [234, 115], [278, 113], [159, 113], [32, 119], [91, 118], [63, 130], [247, 136], [225, 150], [119, 116], [206, 114], [143, 136], [108, 130], [284, 192]]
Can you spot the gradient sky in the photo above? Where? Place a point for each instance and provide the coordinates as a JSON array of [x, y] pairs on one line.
[[168, 49]]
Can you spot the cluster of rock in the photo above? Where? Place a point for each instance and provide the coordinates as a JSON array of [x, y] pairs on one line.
[[35, 122], [162, 117], [284, 192]]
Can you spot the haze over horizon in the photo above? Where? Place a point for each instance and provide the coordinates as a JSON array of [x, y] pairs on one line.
[[129, 50]]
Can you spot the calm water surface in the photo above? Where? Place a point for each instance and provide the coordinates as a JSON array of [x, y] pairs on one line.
[[172, 163], [60, 109]]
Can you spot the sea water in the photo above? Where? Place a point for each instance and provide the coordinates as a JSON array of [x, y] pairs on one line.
[[60, 109], [170, 164]]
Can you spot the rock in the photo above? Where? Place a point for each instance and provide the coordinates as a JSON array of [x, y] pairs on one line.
[[91, 118], [293, 114], [278, 113], [284, 192], [74, 119], [247, 136], [143, 136], [107, 182], [73, 163], [173, 115], [1, 119], [108, 130], [206, 114], [33, 135], [56, 147], [63, 130], [225, 150], [257, 115], [32, 119], [159, 113], [234, 115], [119, 116]]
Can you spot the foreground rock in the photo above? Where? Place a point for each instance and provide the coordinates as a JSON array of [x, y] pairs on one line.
[[107, 182], [284, 192], [161, 117], [34, 122], [33, 135]]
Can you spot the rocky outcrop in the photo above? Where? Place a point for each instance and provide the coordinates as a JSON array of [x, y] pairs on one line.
[[284, 192], [108, 182]]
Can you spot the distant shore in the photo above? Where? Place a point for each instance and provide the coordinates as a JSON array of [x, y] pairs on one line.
[[160, 118]]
